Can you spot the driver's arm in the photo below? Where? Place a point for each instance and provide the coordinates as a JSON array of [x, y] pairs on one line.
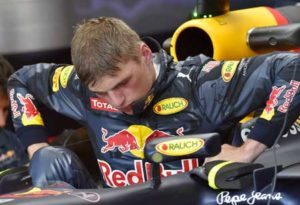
[[32, 88], [270, 82]]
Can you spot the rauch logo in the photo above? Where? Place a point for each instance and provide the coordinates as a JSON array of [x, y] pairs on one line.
[[170, 106], [180, 147]]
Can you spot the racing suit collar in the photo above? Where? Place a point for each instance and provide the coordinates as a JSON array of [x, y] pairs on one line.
[[161, 60]]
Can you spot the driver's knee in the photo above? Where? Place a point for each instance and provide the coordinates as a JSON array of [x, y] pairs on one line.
[[52, 165]]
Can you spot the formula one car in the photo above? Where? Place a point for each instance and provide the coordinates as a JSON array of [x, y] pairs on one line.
[[222, 34], [215, 183]]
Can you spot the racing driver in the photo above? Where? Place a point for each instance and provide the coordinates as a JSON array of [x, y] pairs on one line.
[[125, 95]]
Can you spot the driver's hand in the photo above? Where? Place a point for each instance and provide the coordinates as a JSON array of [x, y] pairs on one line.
[[248, 152], [228, 153]]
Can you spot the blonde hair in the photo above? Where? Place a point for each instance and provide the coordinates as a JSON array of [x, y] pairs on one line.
[[99, 44]]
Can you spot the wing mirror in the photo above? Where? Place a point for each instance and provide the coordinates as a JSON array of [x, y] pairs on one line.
[[172, 148]]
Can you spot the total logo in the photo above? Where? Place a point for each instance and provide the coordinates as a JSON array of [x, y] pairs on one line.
[[132, 139], [100, 104], [140, 173]]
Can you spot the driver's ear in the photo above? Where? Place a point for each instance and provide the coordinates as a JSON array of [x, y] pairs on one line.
[[146, 52]]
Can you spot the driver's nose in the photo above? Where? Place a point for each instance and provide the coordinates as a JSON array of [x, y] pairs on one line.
[[116, 98]]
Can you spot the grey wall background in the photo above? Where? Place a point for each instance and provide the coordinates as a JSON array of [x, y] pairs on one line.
[[33, 31], [40, 25]]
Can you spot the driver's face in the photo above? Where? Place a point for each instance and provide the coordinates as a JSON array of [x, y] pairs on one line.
[[132, 82]]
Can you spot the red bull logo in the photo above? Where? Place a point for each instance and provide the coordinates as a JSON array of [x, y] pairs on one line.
[[289, 96], [272, 102], [31, 115], [28, 107], [132, 139], [269, 112], [123, 141], [140, 173], [14, 104]]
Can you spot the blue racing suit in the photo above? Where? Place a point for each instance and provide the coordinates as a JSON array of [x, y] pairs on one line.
[[197, 95], [12, 152]]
